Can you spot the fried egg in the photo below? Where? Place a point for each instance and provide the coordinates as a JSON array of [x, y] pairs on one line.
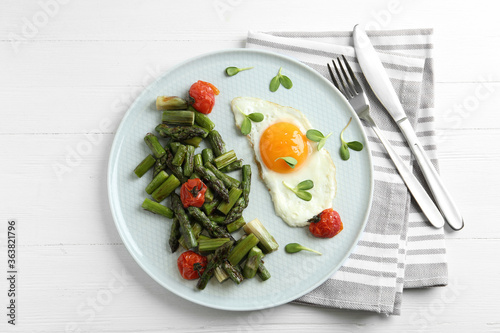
[[282, 133]]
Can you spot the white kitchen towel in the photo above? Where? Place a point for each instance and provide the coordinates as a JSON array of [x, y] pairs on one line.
[[398, 249]]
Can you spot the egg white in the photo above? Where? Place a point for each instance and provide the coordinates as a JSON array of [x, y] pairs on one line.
[[318, 166]]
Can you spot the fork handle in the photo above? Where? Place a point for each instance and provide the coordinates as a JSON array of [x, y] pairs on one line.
[[441, 195], [419, 194]]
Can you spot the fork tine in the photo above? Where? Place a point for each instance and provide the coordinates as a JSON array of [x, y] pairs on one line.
[[333, 77], [347, 92], [354, 79], [348, 81]]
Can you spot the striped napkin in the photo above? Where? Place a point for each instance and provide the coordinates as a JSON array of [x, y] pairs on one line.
[[398, 249]]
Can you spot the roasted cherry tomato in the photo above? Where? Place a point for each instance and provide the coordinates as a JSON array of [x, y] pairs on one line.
[[203, 94], [191, 265], [214, 88], [193, 193], [326, 224]]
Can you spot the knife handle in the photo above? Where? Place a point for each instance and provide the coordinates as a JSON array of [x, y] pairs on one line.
[[416, 189], [441, 196]]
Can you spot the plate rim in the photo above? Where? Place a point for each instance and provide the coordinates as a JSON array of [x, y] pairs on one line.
[[113, 153]]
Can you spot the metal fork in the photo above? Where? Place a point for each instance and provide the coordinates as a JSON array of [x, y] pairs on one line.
[[347, 83]]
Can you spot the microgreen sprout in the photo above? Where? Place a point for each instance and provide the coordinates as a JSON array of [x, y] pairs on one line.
[[344, 148], [301, 189], [232, 71], [280, 80], [296, 247]]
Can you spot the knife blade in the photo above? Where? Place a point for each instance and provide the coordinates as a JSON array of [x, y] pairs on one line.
[[379, 81]]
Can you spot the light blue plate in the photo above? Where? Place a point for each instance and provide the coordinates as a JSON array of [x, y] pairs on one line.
[[145, 235]]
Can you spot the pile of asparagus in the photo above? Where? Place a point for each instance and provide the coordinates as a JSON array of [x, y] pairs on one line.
[[207, 230]]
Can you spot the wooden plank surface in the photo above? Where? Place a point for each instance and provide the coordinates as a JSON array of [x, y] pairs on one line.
[[109, 292], [69, 72]]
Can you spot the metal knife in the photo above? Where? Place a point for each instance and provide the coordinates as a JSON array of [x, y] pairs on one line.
[[379, 82]]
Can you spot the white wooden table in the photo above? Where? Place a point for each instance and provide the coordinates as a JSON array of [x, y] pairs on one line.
[[70, 69]]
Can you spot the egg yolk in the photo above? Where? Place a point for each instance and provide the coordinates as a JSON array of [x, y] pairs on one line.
[[283, 140]]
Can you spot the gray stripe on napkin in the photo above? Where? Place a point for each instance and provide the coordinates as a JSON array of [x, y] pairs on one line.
[[426, 119], [328, 34], [434, 274], [286, 47], [426, 251], [373, 258], [403, 47], [378, 245], [386, 156]]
